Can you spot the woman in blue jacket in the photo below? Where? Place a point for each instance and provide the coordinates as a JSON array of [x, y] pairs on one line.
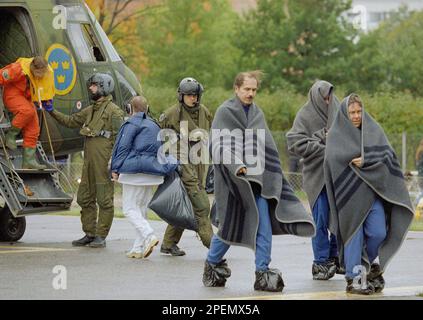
[[138, 164]]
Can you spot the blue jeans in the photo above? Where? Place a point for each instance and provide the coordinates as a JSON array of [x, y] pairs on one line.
[[263, 240], [324, 247], [371, 234]]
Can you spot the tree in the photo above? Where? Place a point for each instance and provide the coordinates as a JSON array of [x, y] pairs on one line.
[[390, 57], [119, 19], [296, 42], [112, 14], [189, 38]]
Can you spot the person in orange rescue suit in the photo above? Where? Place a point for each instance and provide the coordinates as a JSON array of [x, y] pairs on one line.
[[26, 82]]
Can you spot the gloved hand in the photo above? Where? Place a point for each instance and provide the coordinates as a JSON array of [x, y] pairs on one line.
[[48, 105], [115, 176]]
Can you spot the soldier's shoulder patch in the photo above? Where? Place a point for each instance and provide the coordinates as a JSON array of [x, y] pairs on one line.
[[5, 75], [162, 117]]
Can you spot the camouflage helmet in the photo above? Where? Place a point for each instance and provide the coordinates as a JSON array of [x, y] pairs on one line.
[[189, 86], [104, 81]]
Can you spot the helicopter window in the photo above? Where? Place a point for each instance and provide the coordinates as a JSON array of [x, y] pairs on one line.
[[93, 42], [79, 43], [76, 13], [111, 51], [114, 56]]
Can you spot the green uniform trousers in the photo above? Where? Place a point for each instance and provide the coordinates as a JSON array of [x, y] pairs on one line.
[[96, 188]]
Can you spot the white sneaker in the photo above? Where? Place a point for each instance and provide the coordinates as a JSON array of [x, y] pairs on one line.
[[135, 255], [135, 252], [150, 243]]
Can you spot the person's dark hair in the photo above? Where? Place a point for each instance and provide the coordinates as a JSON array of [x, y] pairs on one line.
[[240, 78], [39, 64], [139, 104]]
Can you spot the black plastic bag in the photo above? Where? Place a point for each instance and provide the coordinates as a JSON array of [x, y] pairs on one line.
[[210, 180], [171, 203], [213, 215]]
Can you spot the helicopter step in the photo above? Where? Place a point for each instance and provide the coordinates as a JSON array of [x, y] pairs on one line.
[[30, 191], [32, 171]]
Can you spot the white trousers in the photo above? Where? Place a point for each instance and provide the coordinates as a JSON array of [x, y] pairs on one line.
[[135, 200]]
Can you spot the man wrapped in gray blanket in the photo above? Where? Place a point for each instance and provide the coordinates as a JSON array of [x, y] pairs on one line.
[[307, 139], [253, 199]]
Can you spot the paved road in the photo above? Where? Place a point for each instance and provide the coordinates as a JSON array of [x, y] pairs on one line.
[[26, 268]]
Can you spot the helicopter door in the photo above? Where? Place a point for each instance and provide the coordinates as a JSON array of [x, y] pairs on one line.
[[16, 37], [17, 40]]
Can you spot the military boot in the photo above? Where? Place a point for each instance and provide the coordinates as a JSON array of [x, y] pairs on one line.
[[85, 240], [11, 137], [375, 277], [98, 242], [269, 280], [29, 162], [173, 250], [215, 275]]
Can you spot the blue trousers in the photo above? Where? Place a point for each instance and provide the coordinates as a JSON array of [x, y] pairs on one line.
[[263, 241], [324, 246], [371, 234]]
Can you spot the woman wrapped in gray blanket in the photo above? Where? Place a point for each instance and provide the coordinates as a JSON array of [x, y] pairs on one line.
[[370, 206]]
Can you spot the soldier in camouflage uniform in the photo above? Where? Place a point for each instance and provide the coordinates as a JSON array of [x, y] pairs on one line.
[[99, 123], [199, 119]]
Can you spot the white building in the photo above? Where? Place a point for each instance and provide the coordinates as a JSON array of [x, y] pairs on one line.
[[367, 14]]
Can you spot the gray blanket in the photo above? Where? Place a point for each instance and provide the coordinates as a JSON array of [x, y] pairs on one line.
[[352, 190], [235, 195], [307, 136]]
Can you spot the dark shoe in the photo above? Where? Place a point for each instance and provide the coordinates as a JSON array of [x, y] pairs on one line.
[[270, 280], [29, 162], [98, 242], [375, 277], [339, 269], [174, 251], [216, 275], [367, 290], [323, 271], [11, 137], [83, 241]]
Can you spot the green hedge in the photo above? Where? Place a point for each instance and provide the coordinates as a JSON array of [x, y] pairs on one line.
[[396, 113]]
